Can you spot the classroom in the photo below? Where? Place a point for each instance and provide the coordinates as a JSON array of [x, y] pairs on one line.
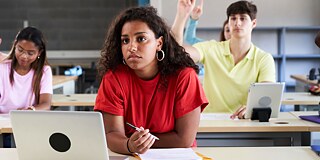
[[159, 79]]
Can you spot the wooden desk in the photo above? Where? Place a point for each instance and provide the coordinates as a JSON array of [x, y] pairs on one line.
[[260, 153], [222, 153], [244, 132], [60, 79], [289, 98], [313, 127], [303, 79], [64, 84], [299, 98], [73, 99], [5, 124], [287, 130]]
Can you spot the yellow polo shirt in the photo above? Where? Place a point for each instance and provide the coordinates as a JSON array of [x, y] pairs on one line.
[[226, 84]]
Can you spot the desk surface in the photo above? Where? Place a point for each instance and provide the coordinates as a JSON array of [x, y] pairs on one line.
[[286, 122], [223, 153], [5, 124], [303, 78], [313, 127], [261, 153], [73, 99], [289, 98], [292, 124], [300, 98], [61, 79]]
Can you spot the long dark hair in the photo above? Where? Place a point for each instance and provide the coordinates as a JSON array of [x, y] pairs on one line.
[[176, 58], [222, 37], [33, 35]]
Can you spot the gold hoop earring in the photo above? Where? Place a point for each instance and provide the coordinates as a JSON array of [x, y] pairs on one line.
[[162, 57]]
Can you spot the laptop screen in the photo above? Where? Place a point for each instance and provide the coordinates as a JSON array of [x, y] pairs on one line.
[[53, 135]]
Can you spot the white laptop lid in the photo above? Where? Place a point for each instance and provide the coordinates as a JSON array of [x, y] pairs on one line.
[[54, 135], [263, 95]]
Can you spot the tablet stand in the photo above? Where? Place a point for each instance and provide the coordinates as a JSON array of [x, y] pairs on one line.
[[261, 114]]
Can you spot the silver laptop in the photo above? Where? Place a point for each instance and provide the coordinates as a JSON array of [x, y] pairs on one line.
[[59, 135], [263, 95]]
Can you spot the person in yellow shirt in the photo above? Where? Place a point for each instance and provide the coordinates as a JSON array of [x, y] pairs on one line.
[[232, 65]]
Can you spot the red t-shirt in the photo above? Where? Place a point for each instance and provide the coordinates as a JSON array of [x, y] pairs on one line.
[[148, 103]]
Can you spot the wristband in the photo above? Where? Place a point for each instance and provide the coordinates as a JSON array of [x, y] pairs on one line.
[[128, 146]]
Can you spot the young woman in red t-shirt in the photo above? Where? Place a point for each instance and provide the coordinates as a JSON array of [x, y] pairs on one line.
[[149, 81]]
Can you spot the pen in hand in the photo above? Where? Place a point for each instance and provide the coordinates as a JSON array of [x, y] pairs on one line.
[[138, 129]]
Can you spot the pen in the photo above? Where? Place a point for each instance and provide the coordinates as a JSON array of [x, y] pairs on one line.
[[138, 129]]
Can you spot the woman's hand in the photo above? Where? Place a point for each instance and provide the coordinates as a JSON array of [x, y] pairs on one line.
[[27, 108], [140, 141]]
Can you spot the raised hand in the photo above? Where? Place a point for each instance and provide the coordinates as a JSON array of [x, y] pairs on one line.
[[185, 7], [197, 11]]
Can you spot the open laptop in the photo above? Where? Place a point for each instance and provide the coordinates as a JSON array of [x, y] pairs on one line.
[[54, 135]]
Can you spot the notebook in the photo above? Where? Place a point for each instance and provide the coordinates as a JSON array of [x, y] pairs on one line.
[[53, 135], [171, 153], [312, 118]]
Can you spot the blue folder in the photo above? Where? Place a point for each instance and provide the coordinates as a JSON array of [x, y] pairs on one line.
[[313, 118]]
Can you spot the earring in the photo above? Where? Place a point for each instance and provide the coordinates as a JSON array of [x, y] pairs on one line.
[[157, 55], [38, 57], [124, 62]]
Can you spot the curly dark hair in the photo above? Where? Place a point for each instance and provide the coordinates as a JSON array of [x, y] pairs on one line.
[[111, 54]]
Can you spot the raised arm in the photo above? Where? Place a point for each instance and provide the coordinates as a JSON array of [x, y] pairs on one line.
[[191, 27], [184, 8]]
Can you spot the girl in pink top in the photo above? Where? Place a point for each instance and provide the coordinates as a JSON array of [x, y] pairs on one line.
[[25, 76]]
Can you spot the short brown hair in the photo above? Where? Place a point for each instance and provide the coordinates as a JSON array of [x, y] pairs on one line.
[[242, 7]]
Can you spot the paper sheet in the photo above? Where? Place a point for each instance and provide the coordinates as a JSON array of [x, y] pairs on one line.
[[216, 116], [4, 116], [172, 154]]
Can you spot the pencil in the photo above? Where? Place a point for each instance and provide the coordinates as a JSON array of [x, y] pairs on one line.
[[138, 129]]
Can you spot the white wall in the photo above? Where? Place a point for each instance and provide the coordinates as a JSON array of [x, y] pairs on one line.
[[270, 12]]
